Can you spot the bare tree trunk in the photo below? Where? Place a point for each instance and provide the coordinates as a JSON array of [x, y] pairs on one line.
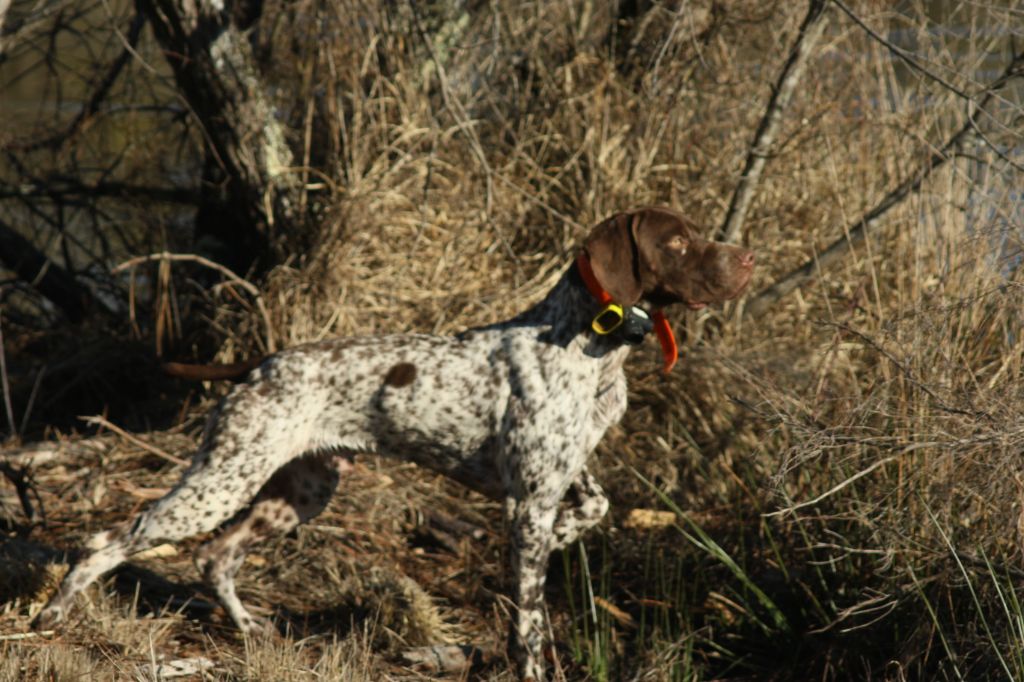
[[810, 31], [42, 274], [5, 5], [250, 194]]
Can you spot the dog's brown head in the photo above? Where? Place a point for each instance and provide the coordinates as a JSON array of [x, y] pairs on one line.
[[657, 255]]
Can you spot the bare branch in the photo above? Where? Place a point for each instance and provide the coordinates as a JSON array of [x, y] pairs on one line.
[[101, 92], [8, 407], [857, 231], [45, 276], [21, 480], [810, 31], [833, 490], [900, 52], [61, 187]]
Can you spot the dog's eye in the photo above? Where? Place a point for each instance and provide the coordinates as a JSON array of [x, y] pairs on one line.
[[678, 243]]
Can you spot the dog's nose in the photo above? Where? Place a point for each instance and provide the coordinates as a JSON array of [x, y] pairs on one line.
[[745, 258]]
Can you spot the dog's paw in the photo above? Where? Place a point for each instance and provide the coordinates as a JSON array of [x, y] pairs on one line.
[[47, 618], [259, 628]]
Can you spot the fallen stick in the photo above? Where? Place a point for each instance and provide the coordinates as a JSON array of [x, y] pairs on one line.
[[97, 420]]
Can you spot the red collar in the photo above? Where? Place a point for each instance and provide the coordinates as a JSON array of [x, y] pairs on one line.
[[593, 286], [662, 329]]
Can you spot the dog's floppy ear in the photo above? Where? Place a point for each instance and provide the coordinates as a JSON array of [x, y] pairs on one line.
[[613, 255], [662, 237]]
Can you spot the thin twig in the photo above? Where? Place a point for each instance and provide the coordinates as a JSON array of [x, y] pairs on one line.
[[5, 5], [25, 635], [455, 107], [1003, 156], [665, 44], [462, 120], [900, 52], [60, 187], [97, 420], [905, 371], [32, 400], [3, 377], [833, 490]]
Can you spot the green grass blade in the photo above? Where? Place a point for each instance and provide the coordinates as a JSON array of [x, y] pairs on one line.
[[970, 587], [705, 542]]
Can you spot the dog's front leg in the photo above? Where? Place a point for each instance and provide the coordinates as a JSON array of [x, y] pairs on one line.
[[540, 455], [531, 544]]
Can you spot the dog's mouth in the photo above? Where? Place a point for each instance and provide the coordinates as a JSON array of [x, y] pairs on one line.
[[716, 297], [739, 288], [709, 292], [710, 295]]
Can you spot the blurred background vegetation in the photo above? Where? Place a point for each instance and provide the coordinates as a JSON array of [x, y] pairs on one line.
[[828, 487]]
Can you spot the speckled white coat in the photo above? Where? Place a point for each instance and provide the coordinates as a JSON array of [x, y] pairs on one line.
[[512, 410]]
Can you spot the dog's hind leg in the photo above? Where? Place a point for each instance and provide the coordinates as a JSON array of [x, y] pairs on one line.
[[296, 493], [240, 454], [204, 499], [110, 550], [197, 505]]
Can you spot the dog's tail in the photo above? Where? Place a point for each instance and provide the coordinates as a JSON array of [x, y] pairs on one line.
[[236, 371]]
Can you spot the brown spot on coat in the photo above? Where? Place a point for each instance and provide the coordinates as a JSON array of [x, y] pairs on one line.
[[402, 374]]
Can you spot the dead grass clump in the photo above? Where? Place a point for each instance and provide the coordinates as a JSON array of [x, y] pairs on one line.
[[348, 660], [57, 662], [400, 613]]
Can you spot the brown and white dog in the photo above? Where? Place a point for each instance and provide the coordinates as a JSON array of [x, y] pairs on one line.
[[512, 410]]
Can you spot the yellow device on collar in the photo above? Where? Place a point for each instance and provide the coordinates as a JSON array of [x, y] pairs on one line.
[[609, 319]]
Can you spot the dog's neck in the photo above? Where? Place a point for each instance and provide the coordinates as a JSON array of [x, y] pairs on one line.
[[567, 313], [563, 318]]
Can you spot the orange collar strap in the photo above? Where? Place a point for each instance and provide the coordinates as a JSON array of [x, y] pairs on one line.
[[662, 329], [593, 286], [669, 349]]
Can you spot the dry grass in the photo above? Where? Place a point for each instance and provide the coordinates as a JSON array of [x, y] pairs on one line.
[[352, 590], [855, 451]]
